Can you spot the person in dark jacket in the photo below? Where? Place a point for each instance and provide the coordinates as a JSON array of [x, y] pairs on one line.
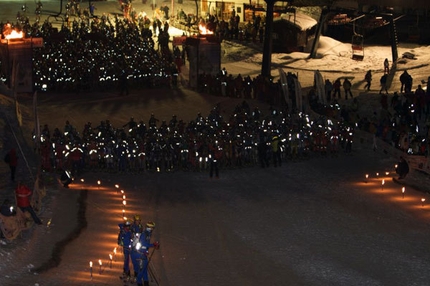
[[12, 160], [347, 87], [383, 82], [336, 88], [402, 168], [406, 81], [368, 79]]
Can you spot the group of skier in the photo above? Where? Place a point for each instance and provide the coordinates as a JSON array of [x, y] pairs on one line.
[[135, 240]]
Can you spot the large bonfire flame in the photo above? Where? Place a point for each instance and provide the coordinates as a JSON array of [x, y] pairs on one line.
[[13, 34], [204, 31]]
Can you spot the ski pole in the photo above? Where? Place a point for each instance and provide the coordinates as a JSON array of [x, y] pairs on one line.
[[149, 259]]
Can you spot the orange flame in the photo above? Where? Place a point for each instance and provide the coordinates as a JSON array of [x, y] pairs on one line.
[[14, 35], [204, 31]]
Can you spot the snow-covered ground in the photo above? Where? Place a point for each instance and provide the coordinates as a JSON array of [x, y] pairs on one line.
[[333, 55]]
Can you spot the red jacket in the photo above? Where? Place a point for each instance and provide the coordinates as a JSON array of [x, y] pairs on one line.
[[23, 194]]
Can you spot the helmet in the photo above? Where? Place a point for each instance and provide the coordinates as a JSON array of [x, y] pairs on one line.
[[137, 217], [150, 224]]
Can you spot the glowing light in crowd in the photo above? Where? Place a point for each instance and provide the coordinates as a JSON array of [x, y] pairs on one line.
[[422, 201]]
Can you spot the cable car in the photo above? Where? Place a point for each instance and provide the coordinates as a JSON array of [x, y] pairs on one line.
[[357, 47]]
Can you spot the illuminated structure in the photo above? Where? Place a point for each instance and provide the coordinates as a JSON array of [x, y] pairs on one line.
[[204, 57], [16, 56]]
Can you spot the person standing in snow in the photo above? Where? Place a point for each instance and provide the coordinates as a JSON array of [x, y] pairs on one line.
[[336, 88], [215, 154], [124, 240], [12, 160], [328, 87], [23, 194], [404, 78], [347, 87], [402, 168], [386, 66], [142, 247], [92, 9], [368, 79], [383, 82], [136, 230]]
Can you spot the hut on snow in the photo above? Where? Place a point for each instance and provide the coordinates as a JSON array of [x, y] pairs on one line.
[[292, 32]]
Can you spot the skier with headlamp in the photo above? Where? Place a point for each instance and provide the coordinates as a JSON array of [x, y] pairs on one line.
[[142, 247], [125, 240]]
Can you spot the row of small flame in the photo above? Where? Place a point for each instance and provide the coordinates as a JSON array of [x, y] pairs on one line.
[[112, 256], [383, 184]]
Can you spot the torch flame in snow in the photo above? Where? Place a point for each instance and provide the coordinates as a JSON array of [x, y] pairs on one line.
[[204, 31]]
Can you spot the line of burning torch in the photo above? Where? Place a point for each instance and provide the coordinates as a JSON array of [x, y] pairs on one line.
[[112, 256], [366, 180]]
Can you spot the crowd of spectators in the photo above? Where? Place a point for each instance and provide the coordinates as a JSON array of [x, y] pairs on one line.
[[98, 54], [403, 119], [245, 138], [103, 53], [94, 53], [234, 28]]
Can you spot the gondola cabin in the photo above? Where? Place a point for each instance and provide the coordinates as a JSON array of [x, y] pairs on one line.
[[357, 47]]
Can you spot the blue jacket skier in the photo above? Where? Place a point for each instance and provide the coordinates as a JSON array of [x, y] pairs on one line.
[[137, 230], [136, 226], [149, 228], [125, 240], [135, 255], [142, 247]]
